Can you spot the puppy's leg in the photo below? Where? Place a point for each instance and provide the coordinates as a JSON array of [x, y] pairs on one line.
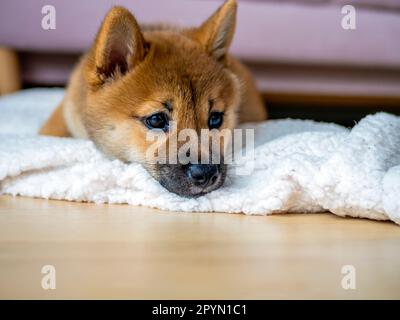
[[55, 125], [252, 107]]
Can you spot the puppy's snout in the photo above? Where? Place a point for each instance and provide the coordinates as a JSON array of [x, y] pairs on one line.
[[203, 175], [192, 180]]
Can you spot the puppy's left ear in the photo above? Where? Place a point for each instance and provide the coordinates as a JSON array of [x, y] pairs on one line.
[[216, 33]]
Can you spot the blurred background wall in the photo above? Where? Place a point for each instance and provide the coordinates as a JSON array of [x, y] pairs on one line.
[[305, 63]]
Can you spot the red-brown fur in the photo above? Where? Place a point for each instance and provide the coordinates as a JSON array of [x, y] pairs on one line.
[[129, 73]]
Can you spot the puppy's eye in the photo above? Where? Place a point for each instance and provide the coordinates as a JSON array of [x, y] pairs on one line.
[[215, 120], [157, 121]]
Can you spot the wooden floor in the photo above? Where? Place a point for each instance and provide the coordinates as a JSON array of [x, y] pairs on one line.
[[120, 251]]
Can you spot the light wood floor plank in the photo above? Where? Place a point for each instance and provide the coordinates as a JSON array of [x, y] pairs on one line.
[[121, 251]]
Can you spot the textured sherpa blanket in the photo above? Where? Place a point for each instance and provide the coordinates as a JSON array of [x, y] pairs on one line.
[[299, 166]]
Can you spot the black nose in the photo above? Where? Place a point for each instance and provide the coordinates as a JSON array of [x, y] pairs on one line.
[[203, 175]]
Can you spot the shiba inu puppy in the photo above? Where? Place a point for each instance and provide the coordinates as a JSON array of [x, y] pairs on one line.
[[135, 79]]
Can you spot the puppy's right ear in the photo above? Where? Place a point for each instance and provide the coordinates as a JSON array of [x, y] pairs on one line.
[[119, 47]]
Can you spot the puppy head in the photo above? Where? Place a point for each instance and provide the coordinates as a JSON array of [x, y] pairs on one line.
[[166, 81]]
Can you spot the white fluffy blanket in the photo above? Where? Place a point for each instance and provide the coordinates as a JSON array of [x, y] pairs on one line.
[[300, 166]]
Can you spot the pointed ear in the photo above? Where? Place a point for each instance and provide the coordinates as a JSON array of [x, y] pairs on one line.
[[216, 33], [119, 46]]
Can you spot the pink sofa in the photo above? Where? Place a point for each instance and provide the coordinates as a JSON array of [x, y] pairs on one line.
[[292, 46]]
